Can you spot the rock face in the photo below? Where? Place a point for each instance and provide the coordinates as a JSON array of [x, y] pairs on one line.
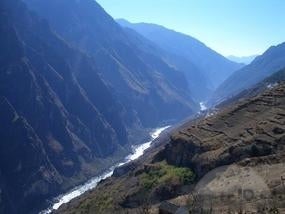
[[250, 129], [150, 90], [246, 137], [27, 175], [262, 67], [57, 115]]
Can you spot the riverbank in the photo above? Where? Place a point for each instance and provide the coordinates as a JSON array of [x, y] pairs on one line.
[[138, 151]]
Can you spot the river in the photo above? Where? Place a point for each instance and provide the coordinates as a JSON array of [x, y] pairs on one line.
[[203, 106], [138, 151]]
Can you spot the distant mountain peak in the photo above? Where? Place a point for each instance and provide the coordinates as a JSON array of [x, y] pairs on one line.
[[242, 59], [272, 60]]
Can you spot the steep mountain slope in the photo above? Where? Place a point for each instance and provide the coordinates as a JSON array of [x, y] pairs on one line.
[[197, 82], [58, 119], [263, 66], [148, 88], [211, 163], [269, 82], [26, 172], [214, 66]]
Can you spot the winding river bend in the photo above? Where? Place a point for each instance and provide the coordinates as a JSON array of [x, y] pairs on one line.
[[138, 151]]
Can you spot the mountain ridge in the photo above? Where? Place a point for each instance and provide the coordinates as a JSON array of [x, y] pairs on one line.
[[121, 63], [215, 66], [262, 66]]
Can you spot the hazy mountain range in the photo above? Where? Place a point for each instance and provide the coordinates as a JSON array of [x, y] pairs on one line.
[[242, 59], [214, 67], [263, 66]]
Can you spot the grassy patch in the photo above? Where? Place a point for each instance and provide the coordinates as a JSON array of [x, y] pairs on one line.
[[100, 204], [163, 173]]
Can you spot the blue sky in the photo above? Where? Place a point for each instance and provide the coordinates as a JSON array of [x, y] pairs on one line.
[[231, 27]]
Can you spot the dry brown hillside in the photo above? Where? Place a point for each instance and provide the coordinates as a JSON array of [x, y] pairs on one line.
[[230, 162]]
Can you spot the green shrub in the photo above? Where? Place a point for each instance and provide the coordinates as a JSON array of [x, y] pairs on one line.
[[164, 173]]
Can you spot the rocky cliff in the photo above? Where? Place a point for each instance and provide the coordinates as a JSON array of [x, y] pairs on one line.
[[57, 115], [150, 89]]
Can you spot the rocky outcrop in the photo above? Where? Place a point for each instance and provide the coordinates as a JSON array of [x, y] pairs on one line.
[[125, 169], [253, 128]]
